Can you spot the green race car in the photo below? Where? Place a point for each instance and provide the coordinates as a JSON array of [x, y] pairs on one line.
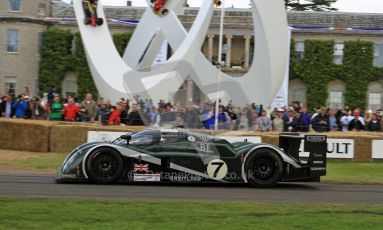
[[185, 156]]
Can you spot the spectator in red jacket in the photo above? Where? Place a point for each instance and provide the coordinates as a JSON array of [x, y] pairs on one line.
[[115, 113], [70, 110]]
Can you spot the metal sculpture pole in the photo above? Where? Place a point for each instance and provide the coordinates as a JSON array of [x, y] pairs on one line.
[[219, 64]]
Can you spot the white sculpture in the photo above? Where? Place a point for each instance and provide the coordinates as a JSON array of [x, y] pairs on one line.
[[117, 77]]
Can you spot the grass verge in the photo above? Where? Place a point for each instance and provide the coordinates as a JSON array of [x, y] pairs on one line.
[[48, 161], [76, 214], [354, 173]]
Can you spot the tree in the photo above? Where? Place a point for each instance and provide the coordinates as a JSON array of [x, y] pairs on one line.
[[314, 5]]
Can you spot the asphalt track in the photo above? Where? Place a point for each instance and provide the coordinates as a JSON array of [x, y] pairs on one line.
[[43, 186]]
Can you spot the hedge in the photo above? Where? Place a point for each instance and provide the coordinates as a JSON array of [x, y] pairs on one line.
[[63, 51]]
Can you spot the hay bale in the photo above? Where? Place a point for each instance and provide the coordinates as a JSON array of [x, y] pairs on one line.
[[65, 137], [45, 136], [25, 135], [363, 148], [270, 139]]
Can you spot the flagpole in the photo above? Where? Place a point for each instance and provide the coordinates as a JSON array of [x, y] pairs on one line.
[[219, 63]]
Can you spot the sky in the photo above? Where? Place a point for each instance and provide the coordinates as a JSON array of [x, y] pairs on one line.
[[366, 6]]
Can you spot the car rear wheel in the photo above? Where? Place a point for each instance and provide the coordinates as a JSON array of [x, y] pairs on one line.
[[105, 166], [264, 168]]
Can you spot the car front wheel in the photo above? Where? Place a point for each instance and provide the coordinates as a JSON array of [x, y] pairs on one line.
[[105, 166]]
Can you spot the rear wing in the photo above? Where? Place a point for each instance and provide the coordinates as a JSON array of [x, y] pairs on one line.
[[316, 145]]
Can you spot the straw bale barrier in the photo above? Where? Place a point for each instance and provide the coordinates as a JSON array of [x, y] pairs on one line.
[[25, 135], [47, 136]]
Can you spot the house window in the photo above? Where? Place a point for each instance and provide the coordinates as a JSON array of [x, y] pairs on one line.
[[13, 41], [10, 85], [15, 5], [69, 84], [374, 101], [298, 95], [338, 53], [336, 99], [378, 55], [73, 47], [39, 41], [42, 9], [225, 48], [299, 51]]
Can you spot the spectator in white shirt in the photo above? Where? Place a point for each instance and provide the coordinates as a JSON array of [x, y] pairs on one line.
[[345, 120]]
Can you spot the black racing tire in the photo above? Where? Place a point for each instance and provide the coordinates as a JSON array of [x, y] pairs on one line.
[[104, 166], [263, 168], [100, 21]]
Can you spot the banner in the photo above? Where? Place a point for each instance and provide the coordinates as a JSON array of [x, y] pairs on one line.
[[336, 148], [102, 136], [282, 97], [377, 149]]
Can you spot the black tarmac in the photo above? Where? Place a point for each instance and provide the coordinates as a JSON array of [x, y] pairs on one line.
[[44, 186]]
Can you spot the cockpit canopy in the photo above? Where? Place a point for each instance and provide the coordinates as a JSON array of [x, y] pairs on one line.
[[146, 137], [153, 137]]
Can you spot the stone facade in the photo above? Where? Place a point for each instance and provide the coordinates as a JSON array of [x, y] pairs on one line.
[[21, 67], [24, 64], [28, 8], [238, 35]]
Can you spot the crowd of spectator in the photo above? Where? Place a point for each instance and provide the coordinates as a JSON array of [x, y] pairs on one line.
[[294, 118], [70, 109], [297, 119]]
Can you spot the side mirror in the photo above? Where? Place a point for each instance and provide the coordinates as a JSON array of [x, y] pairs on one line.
[[126, 137]]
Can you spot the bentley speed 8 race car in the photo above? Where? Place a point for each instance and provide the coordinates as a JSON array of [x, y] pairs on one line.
[[184, 156]]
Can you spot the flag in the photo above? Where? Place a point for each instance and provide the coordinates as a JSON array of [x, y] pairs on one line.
[[141, 167]]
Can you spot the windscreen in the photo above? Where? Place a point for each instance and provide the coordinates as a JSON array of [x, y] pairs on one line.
[[148, 137]]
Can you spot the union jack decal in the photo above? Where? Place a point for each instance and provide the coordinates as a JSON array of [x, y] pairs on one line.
[[141, 167]]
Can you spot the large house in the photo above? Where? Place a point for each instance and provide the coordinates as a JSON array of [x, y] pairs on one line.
[[23, 21]]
